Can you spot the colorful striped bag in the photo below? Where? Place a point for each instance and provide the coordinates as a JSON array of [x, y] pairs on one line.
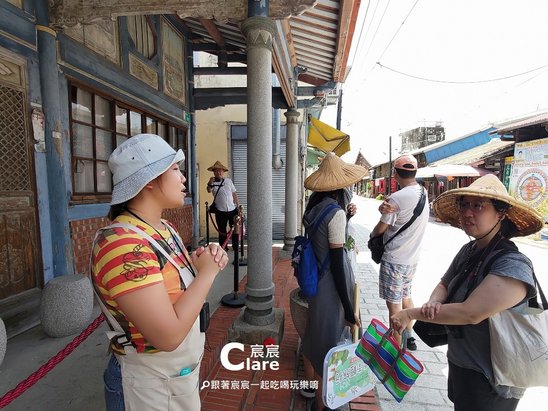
[[394, 366]]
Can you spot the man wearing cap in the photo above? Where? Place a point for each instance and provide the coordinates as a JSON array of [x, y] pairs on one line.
[[399, 261], [225, 199]]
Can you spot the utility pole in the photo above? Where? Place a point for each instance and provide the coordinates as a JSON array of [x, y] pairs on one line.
[[339, 109]]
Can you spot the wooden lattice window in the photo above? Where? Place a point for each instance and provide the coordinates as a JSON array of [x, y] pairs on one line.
[[98, 125], [14, 165]]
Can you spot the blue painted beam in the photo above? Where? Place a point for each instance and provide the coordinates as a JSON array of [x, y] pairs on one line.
[[18, 24], [85, 65]]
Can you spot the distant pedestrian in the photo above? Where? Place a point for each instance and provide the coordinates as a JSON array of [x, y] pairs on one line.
[[486, 212], [225, 199], [399, 261]]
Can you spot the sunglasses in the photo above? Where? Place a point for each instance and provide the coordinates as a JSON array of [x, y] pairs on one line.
[[475, 206]]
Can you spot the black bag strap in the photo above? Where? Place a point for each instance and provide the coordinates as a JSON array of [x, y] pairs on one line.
[[217, 192], [534, 302], [319, 220], [485, 261], [507, 248], [416, 212], [315, 227]]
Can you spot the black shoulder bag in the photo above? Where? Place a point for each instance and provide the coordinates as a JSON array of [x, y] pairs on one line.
[[376, 244], [213, 208]]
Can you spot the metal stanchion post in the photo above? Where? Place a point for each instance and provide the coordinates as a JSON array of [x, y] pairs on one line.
[[235, 299], [242, 261], [207, 223]]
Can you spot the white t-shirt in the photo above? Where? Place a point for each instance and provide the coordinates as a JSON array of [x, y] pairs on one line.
[[405, 248], [224, 201], [336, 228]]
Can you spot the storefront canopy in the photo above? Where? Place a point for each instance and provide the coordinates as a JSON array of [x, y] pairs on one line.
[[451, 170], [326, 138]]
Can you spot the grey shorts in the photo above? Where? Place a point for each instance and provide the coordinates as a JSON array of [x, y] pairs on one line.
[[395, 281]]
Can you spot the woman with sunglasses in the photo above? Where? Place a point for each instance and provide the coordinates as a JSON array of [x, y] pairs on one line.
[[488, 275]]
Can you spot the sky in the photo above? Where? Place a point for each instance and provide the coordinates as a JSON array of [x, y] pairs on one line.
[[464, 46]]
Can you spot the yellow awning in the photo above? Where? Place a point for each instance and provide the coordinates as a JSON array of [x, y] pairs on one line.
[[327, 138]]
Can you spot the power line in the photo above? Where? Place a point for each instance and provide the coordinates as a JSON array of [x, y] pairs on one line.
[[398, 30], [376, 31], [390, 42], [369, 25], [531, 78], [459, 82], [360, 36]]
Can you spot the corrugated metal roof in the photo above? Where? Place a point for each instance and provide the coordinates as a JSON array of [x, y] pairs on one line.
[[456, 146], [530, 121], [314, 35], [437, 151], [475, 156], [317, 41], [446, 142]]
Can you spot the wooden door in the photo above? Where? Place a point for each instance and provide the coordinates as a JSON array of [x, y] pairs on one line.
[[20, 256]]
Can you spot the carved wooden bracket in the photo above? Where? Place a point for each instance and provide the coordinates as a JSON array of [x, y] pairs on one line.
[[71, 12]]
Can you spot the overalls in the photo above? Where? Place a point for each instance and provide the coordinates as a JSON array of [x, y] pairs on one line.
[[153, 381]]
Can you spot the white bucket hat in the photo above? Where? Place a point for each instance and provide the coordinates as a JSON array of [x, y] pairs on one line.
[[138, 161]]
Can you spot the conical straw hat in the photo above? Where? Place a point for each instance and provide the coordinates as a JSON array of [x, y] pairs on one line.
[[217, 164], [334, 174], [526, 219]]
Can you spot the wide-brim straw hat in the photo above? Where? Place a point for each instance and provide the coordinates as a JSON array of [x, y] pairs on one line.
[[217, 165], [526, 218], [138, 161], [334, 174]]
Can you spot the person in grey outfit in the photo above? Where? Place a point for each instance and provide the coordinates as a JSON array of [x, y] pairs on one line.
[[487, 276], [331, 311]]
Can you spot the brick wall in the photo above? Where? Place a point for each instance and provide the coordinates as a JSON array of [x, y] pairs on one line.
[[181, 218], [83, 231]]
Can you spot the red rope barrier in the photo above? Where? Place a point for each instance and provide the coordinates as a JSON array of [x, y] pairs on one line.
[[228, 237], [47, 367], [213, 222]]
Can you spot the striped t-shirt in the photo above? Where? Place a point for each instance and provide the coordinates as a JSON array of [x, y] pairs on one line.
[[124, 262]]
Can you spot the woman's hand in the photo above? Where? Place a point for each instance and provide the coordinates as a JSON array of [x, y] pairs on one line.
[[399, 321], [212, 254], [357, 322], [351, 210], [431, 309]]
